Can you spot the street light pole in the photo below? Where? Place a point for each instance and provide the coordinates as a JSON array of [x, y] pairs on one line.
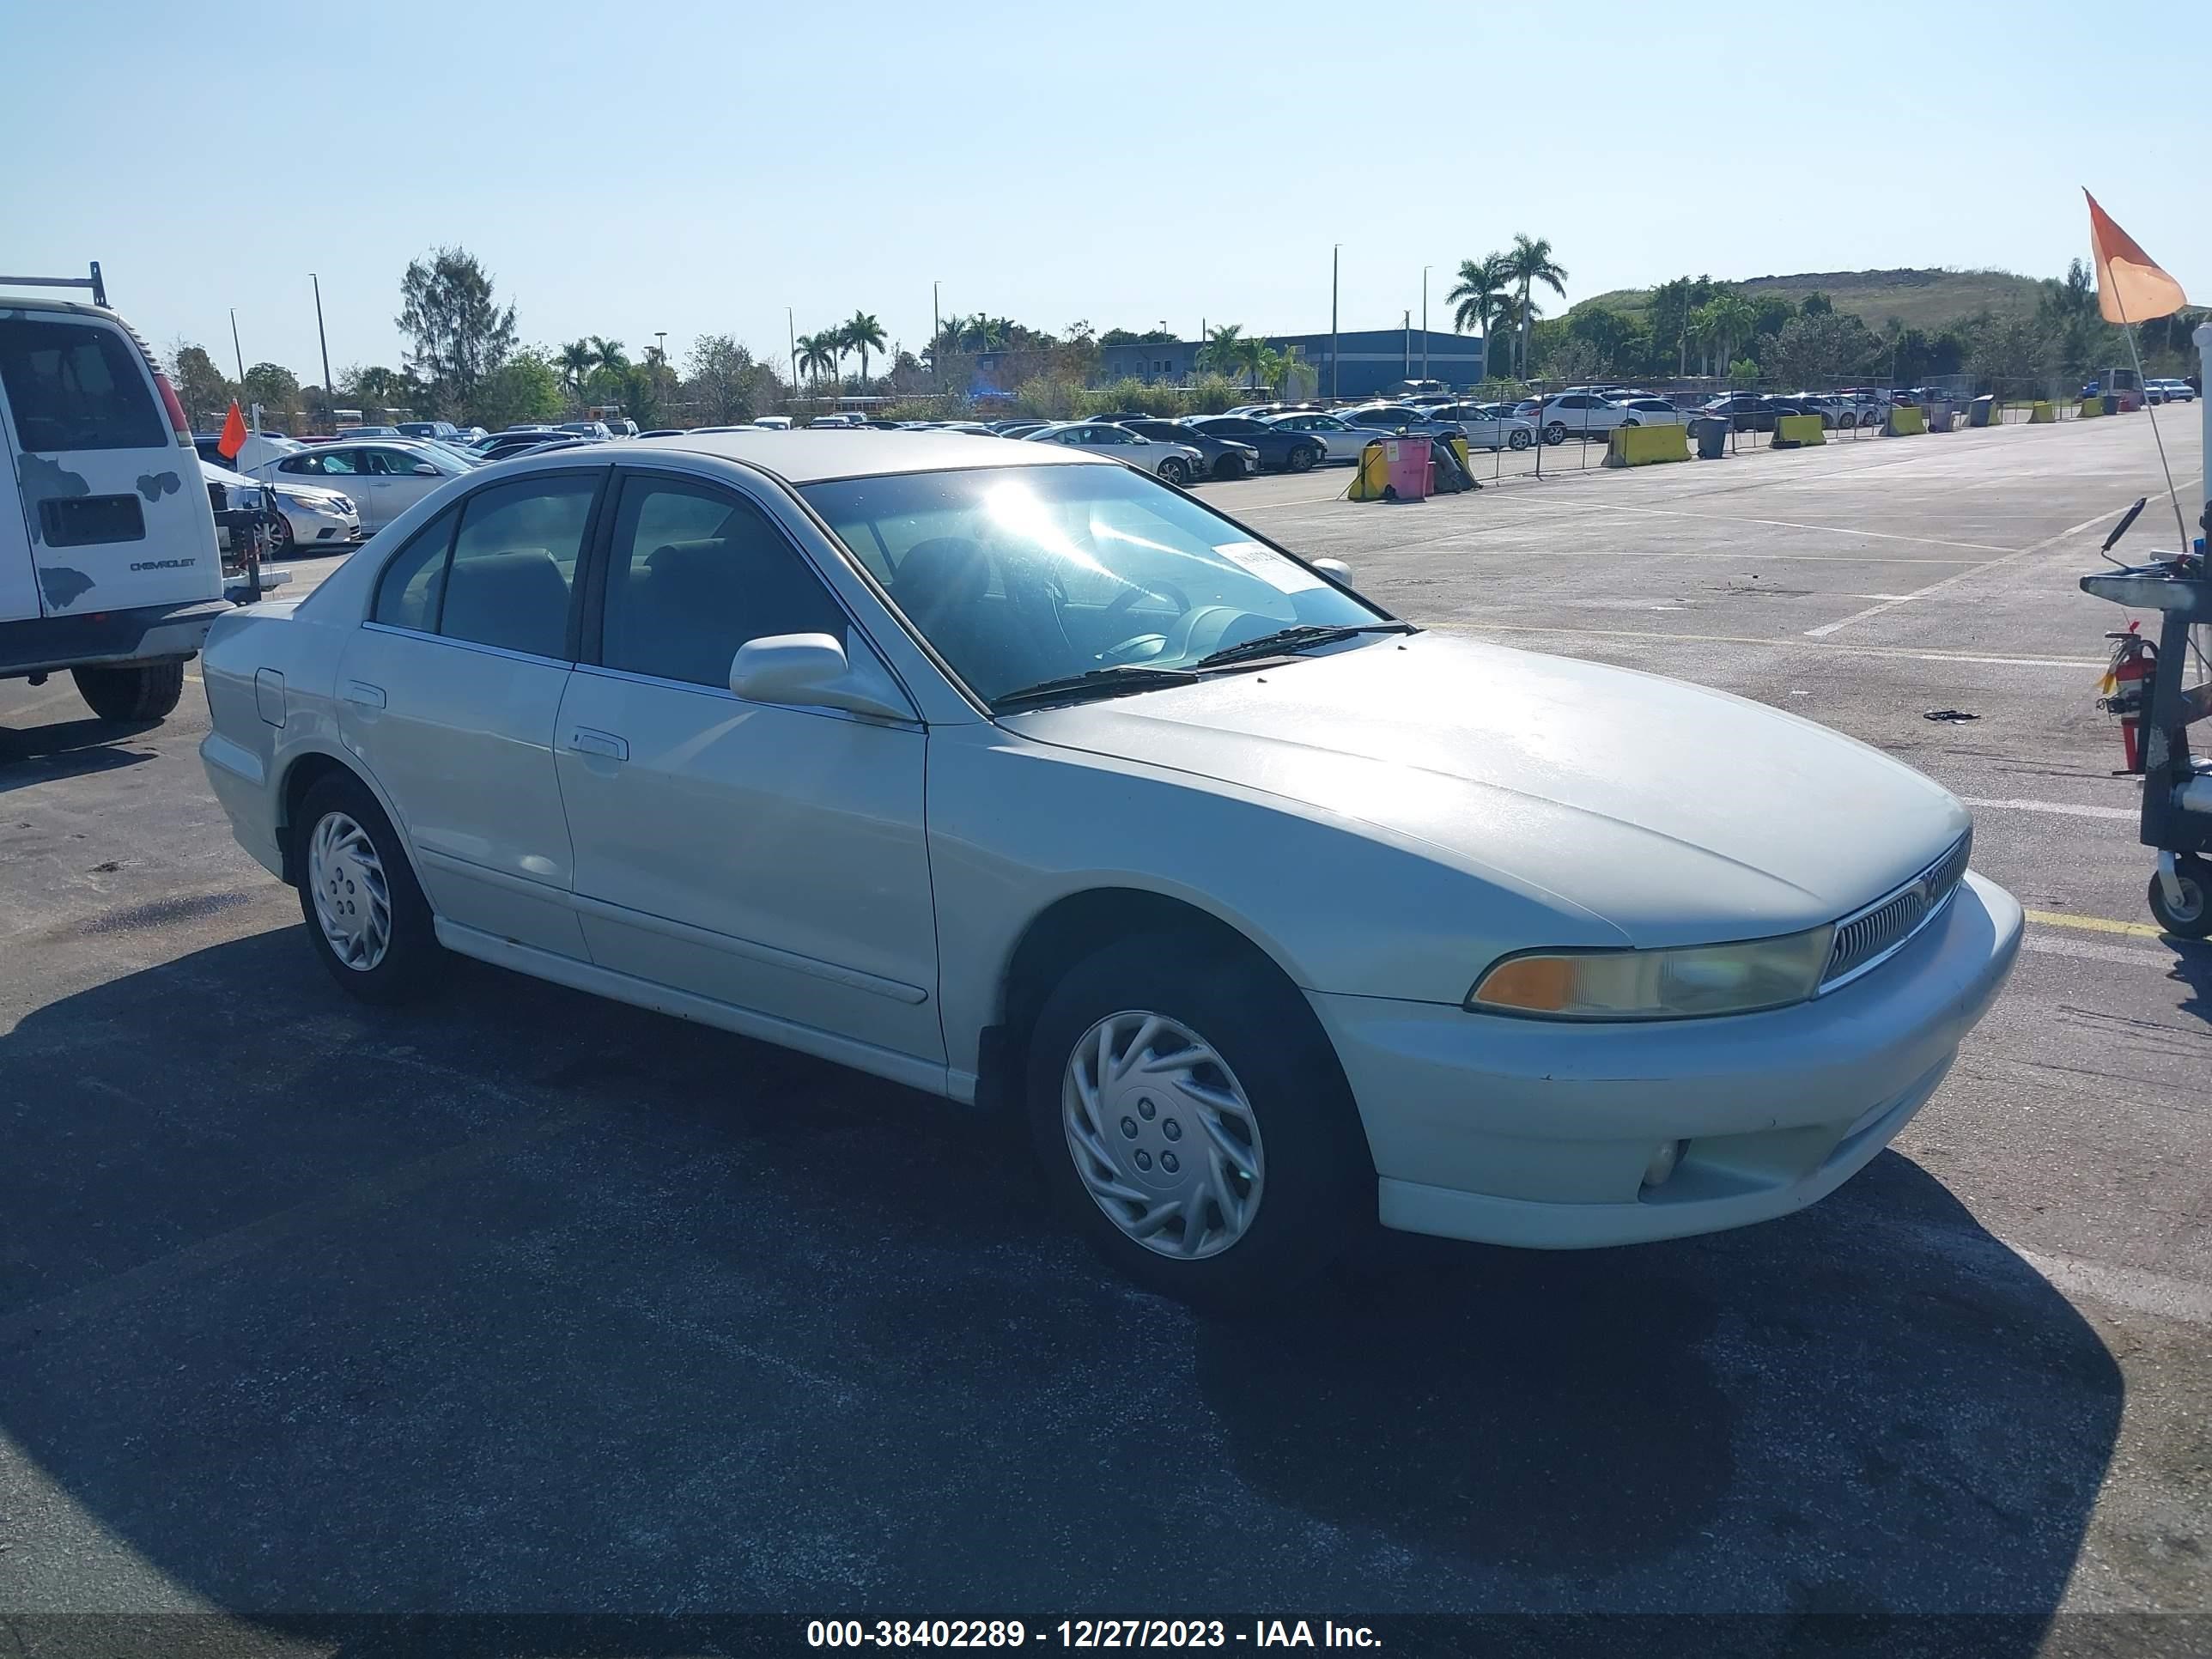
[[1424, 324], [1335, 249], [661, 335], [791, 324], [329, 392], [236, 352]]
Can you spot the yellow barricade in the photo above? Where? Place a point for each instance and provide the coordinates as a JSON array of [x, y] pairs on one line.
[[1645, 445], [2041, 414], [1794, 431], [1905, 421], [1372, 476], [2091, 406]]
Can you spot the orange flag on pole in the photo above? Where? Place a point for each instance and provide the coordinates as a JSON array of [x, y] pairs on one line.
[[2131, 287], [234, 434]]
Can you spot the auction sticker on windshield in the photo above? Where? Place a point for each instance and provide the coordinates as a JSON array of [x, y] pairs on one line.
[[1269, 566]]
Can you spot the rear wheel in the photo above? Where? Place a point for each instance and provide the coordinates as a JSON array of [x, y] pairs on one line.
[[147, 692], [2191, 918], [1194, 1125], [1847, 420], [366, 915]]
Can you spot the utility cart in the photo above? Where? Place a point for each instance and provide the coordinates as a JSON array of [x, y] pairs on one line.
[[2154, 696]]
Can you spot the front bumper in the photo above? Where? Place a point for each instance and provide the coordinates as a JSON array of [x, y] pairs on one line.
[[1540, 1134]]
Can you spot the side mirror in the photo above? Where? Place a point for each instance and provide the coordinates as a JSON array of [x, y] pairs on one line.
[[811, 671], [1335, 568], [425, 470]]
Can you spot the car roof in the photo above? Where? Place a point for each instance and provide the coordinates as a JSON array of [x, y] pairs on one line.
[[802, 458]]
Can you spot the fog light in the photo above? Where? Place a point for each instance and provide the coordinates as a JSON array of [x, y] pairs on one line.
[[1663, 1162]]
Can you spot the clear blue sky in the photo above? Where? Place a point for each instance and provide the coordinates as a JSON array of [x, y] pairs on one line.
[[696, 169]]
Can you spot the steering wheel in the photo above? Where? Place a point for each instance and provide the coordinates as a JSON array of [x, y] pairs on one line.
[[1138, 647]]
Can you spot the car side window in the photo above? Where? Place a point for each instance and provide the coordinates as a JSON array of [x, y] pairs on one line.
[[387, 463], [337, 462], [513, 564], [693, 572], [408, 591], [297, 464]]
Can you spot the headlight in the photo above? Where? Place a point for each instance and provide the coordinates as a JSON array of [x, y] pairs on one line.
[[1679, 984]]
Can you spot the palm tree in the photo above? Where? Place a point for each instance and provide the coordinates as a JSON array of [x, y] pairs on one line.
[[862, 333], [1260, 358], [1702, 328], [1224, 350], [1529, 261], [1481, 296], [576, 360], [1733, 320], [608, 355], [818, 355]]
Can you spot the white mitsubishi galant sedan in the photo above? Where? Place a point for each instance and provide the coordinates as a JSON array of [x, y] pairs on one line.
[[1022, 778]]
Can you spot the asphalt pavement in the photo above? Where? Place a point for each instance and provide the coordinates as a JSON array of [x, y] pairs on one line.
[[525, 1302]]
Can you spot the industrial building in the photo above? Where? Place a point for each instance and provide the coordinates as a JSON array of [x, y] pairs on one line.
[[1353, 363]]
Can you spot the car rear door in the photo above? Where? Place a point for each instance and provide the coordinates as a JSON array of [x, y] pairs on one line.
[[450, 691], [112, 512]]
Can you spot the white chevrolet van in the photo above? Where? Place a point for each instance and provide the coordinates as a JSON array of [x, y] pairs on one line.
[[109, 565]]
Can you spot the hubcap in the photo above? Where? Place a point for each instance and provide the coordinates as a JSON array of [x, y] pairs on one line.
[[1161, 1135], [353, 901]]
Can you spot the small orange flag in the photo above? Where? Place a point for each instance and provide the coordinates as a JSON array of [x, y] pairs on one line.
[[2131, 287], [234, 434]]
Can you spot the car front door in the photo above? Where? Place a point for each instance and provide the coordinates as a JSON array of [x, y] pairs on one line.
[[450, 692], [397, 486], [769, 858], [340, 469]]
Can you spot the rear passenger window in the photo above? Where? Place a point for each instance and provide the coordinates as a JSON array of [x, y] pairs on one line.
[[407, 593], [515, 564], [692, 574], [77, 385]]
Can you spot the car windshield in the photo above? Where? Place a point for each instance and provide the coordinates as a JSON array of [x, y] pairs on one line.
[[1029, 575]]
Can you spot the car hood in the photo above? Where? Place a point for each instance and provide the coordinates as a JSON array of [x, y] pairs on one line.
[[1674, 813]]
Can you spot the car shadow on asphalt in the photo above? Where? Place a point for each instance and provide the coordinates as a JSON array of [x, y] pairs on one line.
[[68, 749], [522, 1301]]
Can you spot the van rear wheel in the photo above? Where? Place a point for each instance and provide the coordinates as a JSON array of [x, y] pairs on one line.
[[148, 691]]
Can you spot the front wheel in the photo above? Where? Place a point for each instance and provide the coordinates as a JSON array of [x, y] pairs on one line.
[[1556, 433], [1193, 1124], [280, 535], [2192, 917], [148, 692], [1302, 459], [366, 915], [1174, 470], [1519, 439]]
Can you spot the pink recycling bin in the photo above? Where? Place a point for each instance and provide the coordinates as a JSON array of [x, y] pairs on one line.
[[1407, 460]]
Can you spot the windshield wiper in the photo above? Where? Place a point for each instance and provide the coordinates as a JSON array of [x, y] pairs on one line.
[[1096, 682], [1297, 638]]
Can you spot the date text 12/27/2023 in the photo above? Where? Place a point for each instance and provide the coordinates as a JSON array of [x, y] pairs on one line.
[[1085, 1633]]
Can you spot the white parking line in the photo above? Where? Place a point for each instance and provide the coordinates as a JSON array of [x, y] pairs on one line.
[[2063, 809], [1788, 524], [1826, 629], [1787, 642]]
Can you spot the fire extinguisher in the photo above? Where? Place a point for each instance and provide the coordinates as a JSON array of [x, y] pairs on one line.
[[2126, 689]]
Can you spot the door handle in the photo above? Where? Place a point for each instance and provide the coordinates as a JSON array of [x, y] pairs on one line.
[[367, 696], [584, 740]]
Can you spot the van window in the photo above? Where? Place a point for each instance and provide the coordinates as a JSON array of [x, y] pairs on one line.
[[76, 385]]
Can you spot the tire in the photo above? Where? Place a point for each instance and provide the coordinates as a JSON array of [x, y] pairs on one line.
[[1556, 433], [1847, 420], [2193, 918], [1303, 1166], [1626, 421], [280, 538], [1174, 470], [1517, 439], [341, 809], [147, 691], [1302, 459]]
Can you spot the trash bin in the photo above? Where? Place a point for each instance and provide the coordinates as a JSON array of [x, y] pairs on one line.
[[1939, 417], [2111, 403], [1711, 433], [1981, 411]]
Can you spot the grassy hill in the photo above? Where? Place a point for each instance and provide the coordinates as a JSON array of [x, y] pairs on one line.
[[1920, 299]]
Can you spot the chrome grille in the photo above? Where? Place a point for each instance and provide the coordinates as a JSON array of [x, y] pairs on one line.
[[1864, 938]]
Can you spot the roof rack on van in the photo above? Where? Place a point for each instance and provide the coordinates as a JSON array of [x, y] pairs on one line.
[[99, 288]]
